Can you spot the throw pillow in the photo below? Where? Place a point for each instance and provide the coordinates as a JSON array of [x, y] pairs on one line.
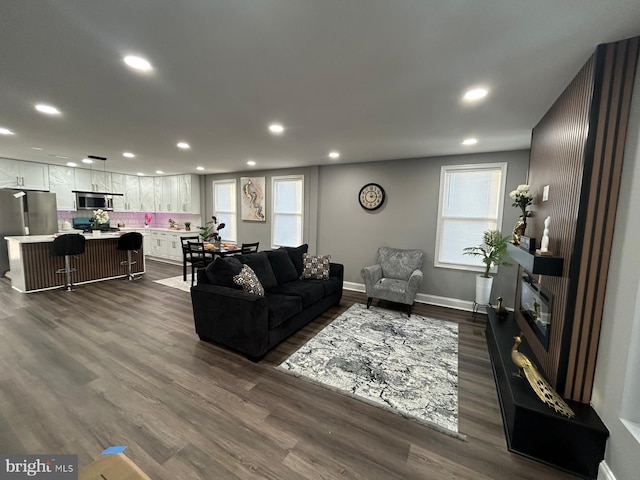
[[248, 281], [259, 263], [295, 254], [222, 271], [316, 266], [282, 266]]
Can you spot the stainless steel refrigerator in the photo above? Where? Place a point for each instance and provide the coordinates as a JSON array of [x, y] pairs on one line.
[[25, 213]]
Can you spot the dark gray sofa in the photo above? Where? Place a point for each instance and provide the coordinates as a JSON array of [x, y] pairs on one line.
[[253, 324]]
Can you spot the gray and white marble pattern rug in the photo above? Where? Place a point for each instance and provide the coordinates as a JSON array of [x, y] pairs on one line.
[[177, 282], [408, 365]]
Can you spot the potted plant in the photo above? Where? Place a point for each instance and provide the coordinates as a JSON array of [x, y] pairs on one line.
[[493, 250], [187, 226]]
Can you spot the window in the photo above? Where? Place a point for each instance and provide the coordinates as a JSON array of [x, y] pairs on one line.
[[471, 200], [287, 211], [224, 208]]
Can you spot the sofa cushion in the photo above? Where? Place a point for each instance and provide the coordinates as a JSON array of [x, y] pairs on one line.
[[222, 271], [316, 266], [249, 282], [295, 253], [282, 266], [329, 286], [259, 263], [309, 292], [281, 308]]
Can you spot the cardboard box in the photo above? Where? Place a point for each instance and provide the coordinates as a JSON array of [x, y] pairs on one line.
[[112, 467]]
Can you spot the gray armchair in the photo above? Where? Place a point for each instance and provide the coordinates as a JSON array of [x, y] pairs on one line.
[[396, 277]]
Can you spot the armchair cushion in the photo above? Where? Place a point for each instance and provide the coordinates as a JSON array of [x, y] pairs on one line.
[[398, 263]]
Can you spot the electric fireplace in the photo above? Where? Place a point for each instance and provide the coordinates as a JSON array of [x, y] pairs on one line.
[[535, 306]]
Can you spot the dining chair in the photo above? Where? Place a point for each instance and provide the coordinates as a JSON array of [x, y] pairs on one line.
[[185, 252], [249, 248], [198, 257]]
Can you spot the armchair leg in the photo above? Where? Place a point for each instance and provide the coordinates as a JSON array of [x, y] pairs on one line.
[[409, 310], [369, 300]]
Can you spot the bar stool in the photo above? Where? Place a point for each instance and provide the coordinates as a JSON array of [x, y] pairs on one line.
[[129, 242], [66, 246]]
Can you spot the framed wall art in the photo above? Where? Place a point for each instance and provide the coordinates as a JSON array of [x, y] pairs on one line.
[[253, 199]]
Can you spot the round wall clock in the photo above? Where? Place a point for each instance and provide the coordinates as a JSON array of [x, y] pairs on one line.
[[371, 196]]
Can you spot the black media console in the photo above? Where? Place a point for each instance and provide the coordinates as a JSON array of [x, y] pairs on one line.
[[533, 429]]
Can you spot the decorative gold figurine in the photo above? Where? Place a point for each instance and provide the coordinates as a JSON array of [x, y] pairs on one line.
[[545, 392]]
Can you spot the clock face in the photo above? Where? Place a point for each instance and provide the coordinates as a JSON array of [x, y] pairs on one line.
[[371, 196]]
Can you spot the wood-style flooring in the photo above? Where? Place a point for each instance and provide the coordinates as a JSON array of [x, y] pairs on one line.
[[119, 363]]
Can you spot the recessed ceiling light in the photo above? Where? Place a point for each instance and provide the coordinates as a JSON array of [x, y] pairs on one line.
[[470, 141], [5, 131], [200, 168], [128, 155], [251, 163], [87, 160], [48, 109], [475, 94], [140, 174], [138, 63], [72, 164], [183, 145], [61, 156], [276, 128], [36, 148], [334, 154], [159, 172]]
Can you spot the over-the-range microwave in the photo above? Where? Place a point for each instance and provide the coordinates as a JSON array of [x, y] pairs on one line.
[[94, 201]]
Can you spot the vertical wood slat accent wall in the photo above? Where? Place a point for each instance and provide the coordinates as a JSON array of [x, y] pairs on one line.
[[577, 149]]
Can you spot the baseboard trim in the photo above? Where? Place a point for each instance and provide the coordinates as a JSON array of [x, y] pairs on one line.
[[604, 472], [455, 303]]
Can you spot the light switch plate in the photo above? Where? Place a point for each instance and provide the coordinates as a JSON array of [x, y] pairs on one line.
[[545, 193]]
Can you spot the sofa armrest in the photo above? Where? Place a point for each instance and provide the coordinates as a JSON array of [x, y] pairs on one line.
[[231, 317], [337, 270], [371, 275]]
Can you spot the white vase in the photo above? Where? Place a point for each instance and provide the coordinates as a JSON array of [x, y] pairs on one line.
[[96, 233], [483, 289]]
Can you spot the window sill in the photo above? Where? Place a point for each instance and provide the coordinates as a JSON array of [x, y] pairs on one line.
[[633, 427]]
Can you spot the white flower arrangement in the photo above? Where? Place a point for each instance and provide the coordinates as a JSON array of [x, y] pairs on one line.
[[522, 198], [100, 217]]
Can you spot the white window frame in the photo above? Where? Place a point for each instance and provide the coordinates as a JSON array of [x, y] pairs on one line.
[[274, 180], [225, 232], [444, 171]]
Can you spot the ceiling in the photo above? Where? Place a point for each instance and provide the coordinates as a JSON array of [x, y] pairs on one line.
[[372, 79]]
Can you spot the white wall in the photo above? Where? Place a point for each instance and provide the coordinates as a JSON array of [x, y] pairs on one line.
[[617, 367]]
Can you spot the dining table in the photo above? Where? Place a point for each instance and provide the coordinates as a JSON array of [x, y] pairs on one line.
[[209, 250]]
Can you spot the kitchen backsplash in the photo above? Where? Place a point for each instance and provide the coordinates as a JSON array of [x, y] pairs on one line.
[[135, 219]]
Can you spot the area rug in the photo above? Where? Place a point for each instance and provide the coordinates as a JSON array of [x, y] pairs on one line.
[[177, 282], [408, 365]]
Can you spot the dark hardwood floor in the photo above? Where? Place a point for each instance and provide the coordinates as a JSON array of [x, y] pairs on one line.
[[119, 363]]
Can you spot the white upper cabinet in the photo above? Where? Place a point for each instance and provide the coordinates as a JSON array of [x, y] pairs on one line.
[[26, 175], [169, 201], [189, 193], [132, 193], [147, 194], [62, 183], [93, 180], [157, 194], [118, 185]]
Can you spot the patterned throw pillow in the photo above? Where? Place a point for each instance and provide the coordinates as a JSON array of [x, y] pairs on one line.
[[315, 266], [248, 280]]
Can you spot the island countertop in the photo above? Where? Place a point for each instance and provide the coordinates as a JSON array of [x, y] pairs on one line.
[[49, 238]]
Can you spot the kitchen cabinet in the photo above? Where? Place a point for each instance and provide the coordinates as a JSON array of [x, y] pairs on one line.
[[147, 186], [189, 193], [158, 244], [132, 193], [26, 175], [93, 180], [174, 247], [62, 183], [117, 183]]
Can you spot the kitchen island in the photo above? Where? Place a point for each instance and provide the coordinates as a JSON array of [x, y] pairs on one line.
[[33, 268]]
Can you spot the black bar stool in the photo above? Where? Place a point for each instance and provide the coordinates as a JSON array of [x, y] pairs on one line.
[[66, 246], [130, 242]]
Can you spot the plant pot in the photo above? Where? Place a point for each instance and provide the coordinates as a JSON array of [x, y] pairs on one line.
[[483, 289], [187, 228]]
